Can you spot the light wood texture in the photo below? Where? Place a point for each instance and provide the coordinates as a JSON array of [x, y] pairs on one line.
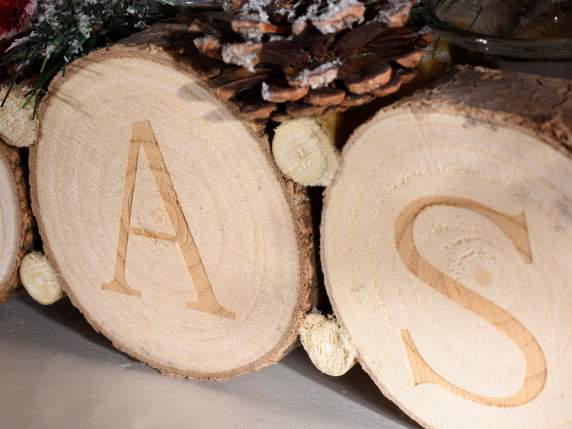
[[327, 344], [18, 126], [447, 251], [304, 149], [165, 216], [15, 219], [142, 137], [40, 280]]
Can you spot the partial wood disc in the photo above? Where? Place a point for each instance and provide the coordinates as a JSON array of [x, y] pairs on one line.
[[447, 251], [165, 216], [18, 125], [15, 219]]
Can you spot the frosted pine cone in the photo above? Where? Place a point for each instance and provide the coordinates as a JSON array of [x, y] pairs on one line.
[[288, 58]]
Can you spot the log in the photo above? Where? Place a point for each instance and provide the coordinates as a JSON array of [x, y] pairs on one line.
[[164, 215], [15, 219], [304, 149], [446, 243]]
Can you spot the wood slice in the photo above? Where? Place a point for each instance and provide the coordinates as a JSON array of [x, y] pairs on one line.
[[165, 216], [15, 219], [18, 125], [447, 251]]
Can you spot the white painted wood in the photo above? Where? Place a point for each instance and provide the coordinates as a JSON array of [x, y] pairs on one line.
[[58, 373]]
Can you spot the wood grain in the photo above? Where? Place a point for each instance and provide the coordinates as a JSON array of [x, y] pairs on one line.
[[304, 150], [19, 126], [143, 137], [15, 219], [153, 188], [40, 280], [515, 228], [446, 247]]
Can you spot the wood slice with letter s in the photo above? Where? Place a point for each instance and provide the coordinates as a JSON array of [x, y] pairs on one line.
[[15, 219], [165, 216], [447, 251]]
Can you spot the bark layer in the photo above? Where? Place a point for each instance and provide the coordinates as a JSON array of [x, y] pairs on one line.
[[14, 204]]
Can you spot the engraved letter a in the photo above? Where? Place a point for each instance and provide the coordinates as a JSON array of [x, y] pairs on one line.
[[142, 136]]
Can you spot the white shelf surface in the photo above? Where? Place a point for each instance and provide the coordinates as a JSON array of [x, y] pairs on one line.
[[57, 373]]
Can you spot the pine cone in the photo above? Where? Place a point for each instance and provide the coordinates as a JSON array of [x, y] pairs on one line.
[[292, 58]]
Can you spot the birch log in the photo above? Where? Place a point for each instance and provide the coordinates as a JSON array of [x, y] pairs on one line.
[[447, 251], [164, 215]]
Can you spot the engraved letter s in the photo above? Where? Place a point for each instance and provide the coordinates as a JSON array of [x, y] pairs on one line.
[[515, 228]]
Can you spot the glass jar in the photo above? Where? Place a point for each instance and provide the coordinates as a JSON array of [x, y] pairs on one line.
[[525, 35]]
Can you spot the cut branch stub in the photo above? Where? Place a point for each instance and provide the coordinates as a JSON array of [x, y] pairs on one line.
[[305, 150], [15, 219], [165, 217], [446, 242], [327, 345], [40, 280]]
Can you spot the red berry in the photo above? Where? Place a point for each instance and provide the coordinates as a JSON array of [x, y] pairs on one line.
[[15, 16]]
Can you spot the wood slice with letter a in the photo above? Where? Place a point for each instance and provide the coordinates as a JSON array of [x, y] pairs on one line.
[[165, 216], [15, 219], [447, 251]]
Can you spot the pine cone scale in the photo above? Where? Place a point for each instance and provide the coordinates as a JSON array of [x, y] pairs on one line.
[[284, 53], [325, 97], [300, 58]]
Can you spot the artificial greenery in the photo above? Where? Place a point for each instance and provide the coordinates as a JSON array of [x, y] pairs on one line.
[[63, 30]]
